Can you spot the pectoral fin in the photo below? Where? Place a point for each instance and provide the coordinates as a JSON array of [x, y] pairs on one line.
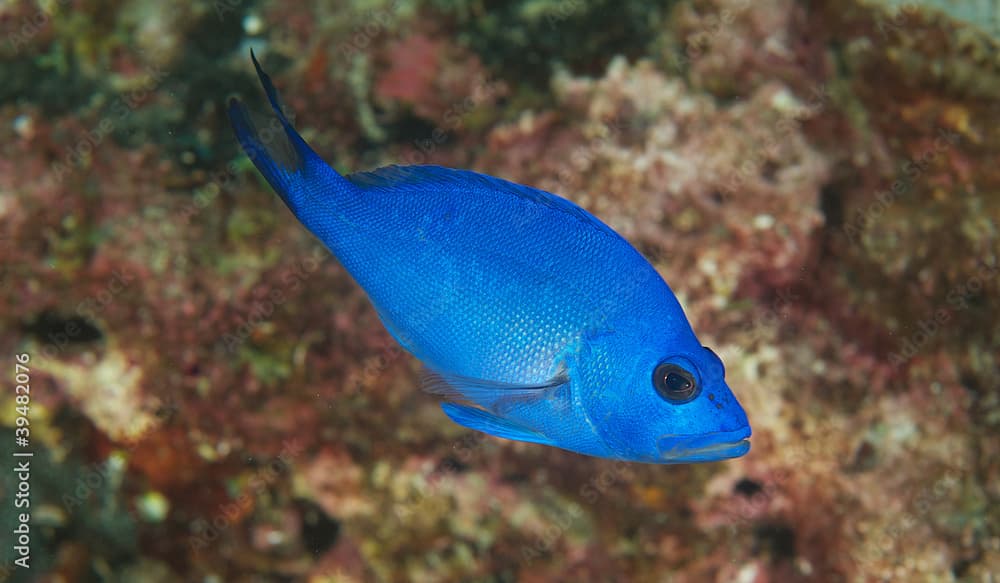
[[485, 392], [484, 421]]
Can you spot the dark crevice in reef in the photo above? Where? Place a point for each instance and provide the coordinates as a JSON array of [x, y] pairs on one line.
[[747, 487], [51, 327], [319, 530], [776, 541]]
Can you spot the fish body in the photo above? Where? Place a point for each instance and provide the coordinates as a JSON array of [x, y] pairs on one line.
[[536, 321]]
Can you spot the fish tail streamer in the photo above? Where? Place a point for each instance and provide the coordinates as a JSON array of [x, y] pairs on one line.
[[287, 162]]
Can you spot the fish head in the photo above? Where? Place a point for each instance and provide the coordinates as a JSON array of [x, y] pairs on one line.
[[671, 406]]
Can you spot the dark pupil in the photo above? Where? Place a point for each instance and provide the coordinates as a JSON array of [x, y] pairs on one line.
[[677, 383], [674, 383]]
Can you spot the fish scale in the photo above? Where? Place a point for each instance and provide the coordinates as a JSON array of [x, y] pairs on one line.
[[537, 322], [474, 297]]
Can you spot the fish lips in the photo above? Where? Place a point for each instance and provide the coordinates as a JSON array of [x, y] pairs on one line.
[[703, 447]]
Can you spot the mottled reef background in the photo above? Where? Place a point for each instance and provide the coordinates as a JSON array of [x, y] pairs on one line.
[[214, 400]]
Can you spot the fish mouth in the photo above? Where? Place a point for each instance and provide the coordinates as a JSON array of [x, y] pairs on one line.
[[703, 447]]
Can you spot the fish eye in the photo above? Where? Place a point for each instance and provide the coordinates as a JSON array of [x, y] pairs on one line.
[[674, 383]]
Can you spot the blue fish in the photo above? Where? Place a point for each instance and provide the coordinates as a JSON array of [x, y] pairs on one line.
[[536, 322]]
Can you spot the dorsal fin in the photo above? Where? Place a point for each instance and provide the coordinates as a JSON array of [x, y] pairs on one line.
[[391, 177]]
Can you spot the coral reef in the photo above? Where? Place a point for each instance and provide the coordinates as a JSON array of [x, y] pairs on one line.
[[214, 399]]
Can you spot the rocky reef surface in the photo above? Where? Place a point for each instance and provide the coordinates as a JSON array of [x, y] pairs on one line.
[[214, 400]]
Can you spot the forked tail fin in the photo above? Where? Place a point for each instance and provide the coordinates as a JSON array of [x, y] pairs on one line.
[[291, 167]]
